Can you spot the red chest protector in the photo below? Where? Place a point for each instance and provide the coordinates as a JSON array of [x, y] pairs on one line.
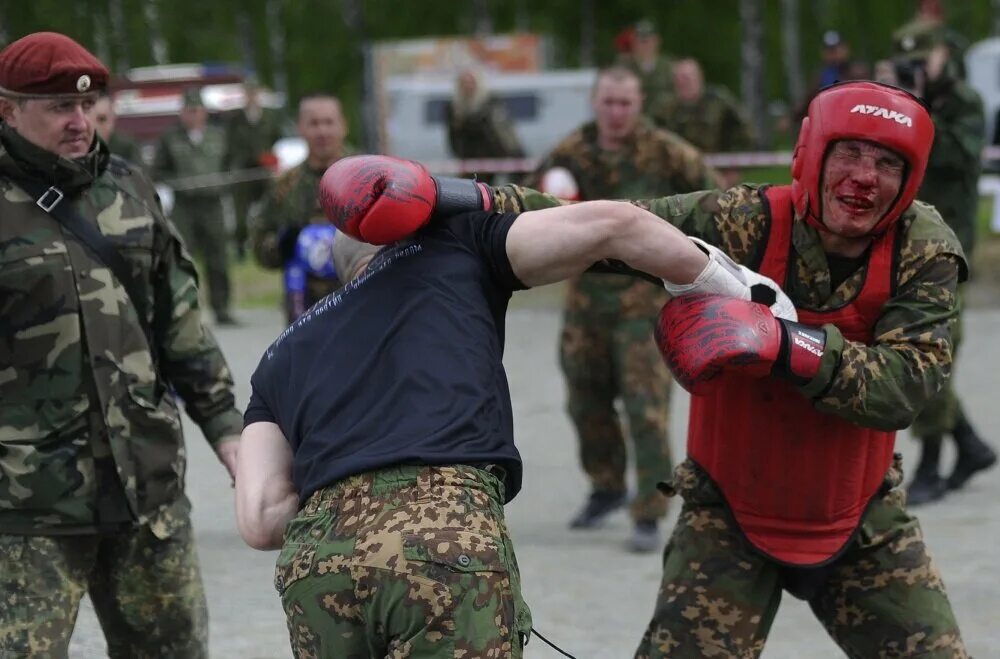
[[797, 480]]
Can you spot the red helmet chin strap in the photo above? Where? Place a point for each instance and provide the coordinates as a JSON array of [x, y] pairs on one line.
[[869, 111]]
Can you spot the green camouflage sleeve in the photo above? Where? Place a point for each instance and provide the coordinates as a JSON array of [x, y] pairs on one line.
[[264, 230], [163, 164], [190, 360], [885, 385], [960, 130], [733, 219]]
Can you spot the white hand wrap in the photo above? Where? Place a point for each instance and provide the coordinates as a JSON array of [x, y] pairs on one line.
[[723, 276]]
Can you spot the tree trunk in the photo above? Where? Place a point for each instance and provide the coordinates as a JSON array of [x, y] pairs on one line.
[[482, 20], [587, 31], [276, 34], [792, 50], [354, 17], [245, 28], [157, 44], [118, 44], [753, 90]]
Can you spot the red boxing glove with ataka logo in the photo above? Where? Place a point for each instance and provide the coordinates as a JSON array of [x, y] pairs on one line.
[[703, 336]]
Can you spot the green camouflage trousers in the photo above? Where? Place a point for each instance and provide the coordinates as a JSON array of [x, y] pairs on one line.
[[403, 562], [202, 225], [605, 357], [882, 598], [146, 590], [943, 412]]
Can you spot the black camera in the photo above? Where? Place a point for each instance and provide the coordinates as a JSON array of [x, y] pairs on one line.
[[910, 73]]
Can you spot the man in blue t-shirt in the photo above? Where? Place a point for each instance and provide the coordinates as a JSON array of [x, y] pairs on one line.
[[378, 450]]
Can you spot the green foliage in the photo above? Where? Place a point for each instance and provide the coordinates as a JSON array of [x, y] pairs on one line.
[[324, 52]]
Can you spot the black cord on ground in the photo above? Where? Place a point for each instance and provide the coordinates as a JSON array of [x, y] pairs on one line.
[[551, 644]]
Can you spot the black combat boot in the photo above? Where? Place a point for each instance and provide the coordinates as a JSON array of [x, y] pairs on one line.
[[927, 485], [973, 455], [600, 504]]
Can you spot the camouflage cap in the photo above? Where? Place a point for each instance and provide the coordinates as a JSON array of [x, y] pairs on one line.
[[645, 28], [192, 98], [918, 43]]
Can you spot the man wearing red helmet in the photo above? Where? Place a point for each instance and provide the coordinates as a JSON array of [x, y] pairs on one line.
[[791, 481]]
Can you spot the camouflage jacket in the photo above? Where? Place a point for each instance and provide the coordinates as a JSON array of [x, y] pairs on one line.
[[291, 201], [951, 183], [657, 83], [77, 378], [245, 141], [177, 157], [126, 148], [653, 162], [883, 385], [486, 132], [714, 123]]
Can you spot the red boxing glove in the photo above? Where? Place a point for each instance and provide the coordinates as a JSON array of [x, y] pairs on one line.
[[377, 199], [703, 336], [380, 199]]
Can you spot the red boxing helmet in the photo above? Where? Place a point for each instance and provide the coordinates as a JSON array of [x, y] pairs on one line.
[[870, 111]]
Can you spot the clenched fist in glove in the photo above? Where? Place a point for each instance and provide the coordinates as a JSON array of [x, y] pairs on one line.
[[701, 337], [723, 276], [380, 199]]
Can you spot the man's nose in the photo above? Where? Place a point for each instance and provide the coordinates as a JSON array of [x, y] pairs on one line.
[[79, 120]]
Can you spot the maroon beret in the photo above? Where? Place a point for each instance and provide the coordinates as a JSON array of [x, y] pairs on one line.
[[49, 64]]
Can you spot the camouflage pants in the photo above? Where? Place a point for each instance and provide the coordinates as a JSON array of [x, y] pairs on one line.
[[403, 562], [146, 590], [202, 225], [882, 598], [603, 358], [943, 412]]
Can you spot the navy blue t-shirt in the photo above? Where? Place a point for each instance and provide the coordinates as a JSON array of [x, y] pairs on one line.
[[403, 365]]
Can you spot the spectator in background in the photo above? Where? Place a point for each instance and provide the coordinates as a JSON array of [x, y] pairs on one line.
[[837, 67], [250, 134], [189, 153], [655, 70], [930, 18], [926, 65], [104, 122], [292, 201], [478, 123], [707, 117]]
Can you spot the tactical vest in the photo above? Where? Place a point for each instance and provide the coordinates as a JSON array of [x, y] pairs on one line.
[[796, 480]]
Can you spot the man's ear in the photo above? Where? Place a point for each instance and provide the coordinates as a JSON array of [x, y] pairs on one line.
[[7, 111]]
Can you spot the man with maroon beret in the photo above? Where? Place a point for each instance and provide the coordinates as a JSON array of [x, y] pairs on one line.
[[99, 326]]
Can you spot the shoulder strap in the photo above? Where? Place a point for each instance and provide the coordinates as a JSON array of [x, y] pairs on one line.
[[50, 200]]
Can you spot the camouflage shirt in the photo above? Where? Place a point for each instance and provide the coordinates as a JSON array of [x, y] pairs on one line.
[[178, 157], [714, 123], [483, 132], [652, 162], [883, 385], [951, 183], [657, 83], [78, 385]]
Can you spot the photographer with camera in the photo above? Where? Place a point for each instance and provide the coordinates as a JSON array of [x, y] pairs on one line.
[[926, 64]]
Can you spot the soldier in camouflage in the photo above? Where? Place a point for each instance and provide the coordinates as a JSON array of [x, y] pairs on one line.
[[91, 453], [707, 117], [194, 148], [104, 121], [292, 200], [655, 70], [478, 123], [250, 134], [927, 53], [879, 594], [606, 351]]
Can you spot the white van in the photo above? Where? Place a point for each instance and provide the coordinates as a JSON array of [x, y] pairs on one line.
[[982, 65], [545, 106]]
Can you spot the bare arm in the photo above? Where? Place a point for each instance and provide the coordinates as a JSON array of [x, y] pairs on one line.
[[555, 243], [265, 495]]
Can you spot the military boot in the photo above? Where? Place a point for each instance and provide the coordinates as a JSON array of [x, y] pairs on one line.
[[927, 485], [973, 455], [600, 504]]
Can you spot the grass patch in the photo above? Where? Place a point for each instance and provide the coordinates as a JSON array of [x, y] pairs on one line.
[[255, 287]]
